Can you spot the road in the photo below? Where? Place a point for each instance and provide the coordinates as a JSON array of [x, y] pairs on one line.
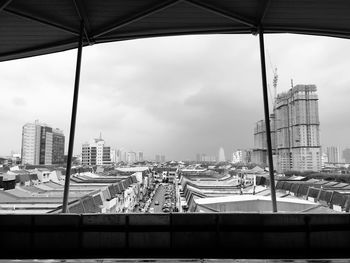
[[158, 196], [165, 194]]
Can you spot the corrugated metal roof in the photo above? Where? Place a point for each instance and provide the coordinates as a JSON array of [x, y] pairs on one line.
[[30, 28]]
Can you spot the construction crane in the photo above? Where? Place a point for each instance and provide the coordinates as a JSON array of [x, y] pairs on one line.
[[274, 84]]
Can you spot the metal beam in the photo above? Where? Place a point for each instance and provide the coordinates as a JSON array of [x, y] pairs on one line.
[[224, 13], [80, 8], [309, 31], [42, 21], [136, 17], [267, 119], [48, 48], [73, 120], [4, 3], [264, 9], [209, 30]]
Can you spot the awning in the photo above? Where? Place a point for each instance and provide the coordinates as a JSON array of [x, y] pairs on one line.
[[30, 28]]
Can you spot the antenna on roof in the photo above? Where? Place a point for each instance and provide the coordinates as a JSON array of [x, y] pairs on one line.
[[291, 83], [100, 135]]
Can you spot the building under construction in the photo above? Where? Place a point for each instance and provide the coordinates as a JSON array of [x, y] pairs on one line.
[[294, 131]]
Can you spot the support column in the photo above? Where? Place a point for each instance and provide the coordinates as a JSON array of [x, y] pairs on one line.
[[73, 120], [267, 120]]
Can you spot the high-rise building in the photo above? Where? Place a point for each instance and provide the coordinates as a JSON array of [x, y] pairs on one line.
[[295, 134], [237, 156], [346, 155], [297, 129], [131, 157], [139, 157], [157, 158], [221, 156], [259, 153], [162, 158], [333, 154], [198, 157], [324, 160], [57, 146], [242, 156], [96, 153], [41, 144], [114, 156]]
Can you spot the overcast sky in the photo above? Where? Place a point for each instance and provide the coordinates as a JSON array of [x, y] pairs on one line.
[[173, 95]]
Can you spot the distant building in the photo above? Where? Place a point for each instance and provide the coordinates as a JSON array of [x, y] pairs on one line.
[[222, 157], [160, 158], [346, 155], [114, 156], [140, 157], [333, 154], [237, 156], [205, 158], [157, 158], [96, 153], [57, 147], [41, 144], [324, 160], [198, 157], [131, 157], [241, 156], [259, 153]]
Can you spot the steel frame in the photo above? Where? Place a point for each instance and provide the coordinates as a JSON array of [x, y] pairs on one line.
[[73, 120], [135, 17]]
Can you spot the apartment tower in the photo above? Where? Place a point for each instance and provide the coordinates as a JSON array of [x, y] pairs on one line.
[[297, 129], [96, 153], [42, 145]]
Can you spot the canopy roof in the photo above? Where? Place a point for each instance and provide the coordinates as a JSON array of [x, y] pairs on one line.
[[35, 27]]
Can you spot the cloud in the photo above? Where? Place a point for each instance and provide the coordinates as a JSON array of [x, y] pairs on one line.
[[173, 95]]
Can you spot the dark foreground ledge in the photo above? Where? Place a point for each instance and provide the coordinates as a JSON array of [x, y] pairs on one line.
[[247, 236]]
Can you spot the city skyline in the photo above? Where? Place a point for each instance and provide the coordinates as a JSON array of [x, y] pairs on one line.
[[209, 99]]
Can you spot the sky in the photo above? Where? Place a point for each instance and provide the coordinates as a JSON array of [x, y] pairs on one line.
[[176, 96]]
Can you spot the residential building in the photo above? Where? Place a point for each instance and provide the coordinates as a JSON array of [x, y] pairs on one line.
[[205, 158], [96, 153], [324, 160], [140, 157], [346, 155], [295, 135], [57, 146], [241, 156], [333, 154], [222, 157], [297, 129], [157, 158], [41, 144], [160, 158], [114, 156], [131, 157], [237, 156], [259, 152]]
